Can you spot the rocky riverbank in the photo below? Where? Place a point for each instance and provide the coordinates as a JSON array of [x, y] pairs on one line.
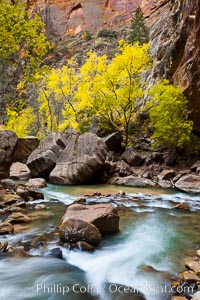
[[82, 227], [72, 158]]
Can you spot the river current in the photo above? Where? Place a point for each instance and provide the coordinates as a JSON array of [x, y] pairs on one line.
[[153, 243]]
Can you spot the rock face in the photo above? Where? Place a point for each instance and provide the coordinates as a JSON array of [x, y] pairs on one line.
[[43, 159], [8, 141], [189, 183], [83, 156], [103, 216], [175, 31], [74, 230], [71, 16], [174, 28]]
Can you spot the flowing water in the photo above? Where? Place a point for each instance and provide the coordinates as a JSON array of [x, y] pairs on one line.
[[152, 235]]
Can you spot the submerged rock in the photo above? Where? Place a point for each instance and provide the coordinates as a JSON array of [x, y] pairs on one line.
[[6, 227], [83, 246], [182, 206], [55, 252], [4, 246], [103, 216], [36, 183], [189, 183], [74, 230], [83, 156], [18, 217]]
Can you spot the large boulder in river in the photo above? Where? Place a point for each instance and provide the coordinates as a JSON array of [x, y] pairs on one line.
[[8, 141], [103, 216], [189, 183], [74, 230], [83, 156], [134, 181], [19, 171], [43, 159]]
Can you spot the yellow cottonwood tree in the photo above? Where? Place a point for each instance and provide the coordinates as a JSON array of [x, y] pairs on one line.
[[107, 89], [23, 45], [112, 89], [20, 122], [56, 91]]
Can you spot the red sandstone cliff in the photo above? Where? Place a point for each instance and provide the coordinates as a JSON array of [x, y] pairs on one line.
[[174, 27]]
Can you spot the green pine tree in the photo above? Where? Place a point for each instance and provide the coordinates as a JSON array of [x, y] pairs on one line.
[[139, 32]]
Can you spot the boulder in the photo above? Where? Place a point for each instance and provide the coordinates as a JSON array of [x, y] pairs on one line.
[[40, 206], [165, 184], [198, 252], [195, 166], [25, 146], [134, 181], [8, 184], [196, 296], [133, 158], [169, 159], [18, 217], [83, 156], [182, 206], [189, 276], [189, 183], [36, 183], [83, 246], [194, 266], [74, 230], [23, 192], [103, 216], [43, 159], [8, 141], [19, 171], [6, 227], [113, 141], [166, 175], [4, 246], [36, 195]]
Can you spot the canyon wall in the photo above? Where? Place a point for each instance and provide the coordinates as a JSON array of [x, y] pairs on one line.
[[174, 27], [71, 16]]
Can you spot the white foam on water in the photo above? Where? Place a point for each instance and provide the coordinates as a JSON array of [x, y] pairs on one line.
[[120, 263]]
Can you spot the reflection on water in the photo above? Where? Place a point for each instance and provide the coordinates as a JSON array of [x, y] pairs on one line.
[[152, 234]]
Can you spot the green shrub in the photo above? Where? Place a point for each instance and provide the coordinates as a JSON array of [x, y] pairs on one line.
[[107, 33]]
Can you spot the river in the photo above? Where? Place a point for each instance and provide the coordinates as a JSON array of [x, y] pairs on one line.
[[152, 235]]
